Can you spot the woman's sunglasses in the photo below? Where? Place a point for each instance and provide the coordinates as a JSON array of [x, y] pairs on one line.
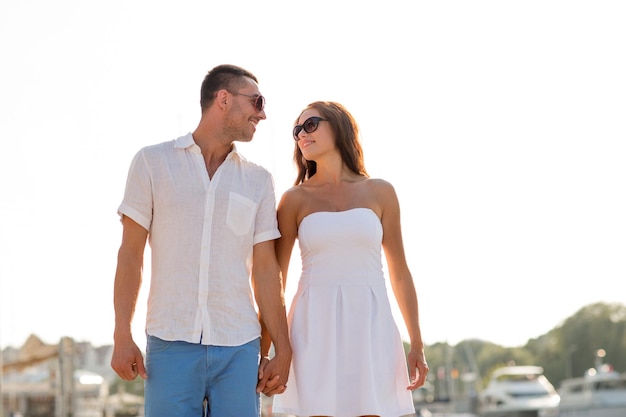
[[309, 126], [259, 101]]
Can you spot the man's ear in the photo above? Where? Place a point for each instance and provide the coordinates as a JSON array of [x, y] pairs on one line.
[[222, 98]]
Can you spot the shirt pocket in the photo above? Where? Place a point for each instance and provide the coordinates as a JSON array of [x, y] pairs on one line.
[[241, 214]]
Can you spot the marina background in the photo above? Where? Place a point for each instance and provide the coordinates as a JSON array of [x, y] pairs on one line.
[[501, 125]]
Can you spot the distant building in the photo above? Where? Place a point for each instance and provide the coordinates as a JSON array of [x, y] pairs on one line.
[[66, 379]]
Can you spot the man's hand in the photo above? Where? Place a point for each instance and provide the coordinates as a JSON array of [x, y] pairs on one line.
[[273, 375], [127, 360]]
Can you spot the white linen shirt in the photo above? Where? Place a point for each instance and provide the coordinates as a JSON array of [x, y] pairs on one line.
[[201, 234]]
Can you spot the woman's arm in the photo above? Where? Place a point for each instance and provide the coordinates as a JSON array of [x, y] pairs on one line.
[[402, 281]]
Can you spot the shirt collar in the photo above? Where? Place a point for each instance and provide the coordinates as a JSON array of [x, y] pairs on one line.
[[187, 142]]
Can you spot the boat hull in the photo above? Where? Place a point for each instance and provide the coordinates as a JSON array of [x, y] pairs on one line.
[[618, 411], [510, 413]]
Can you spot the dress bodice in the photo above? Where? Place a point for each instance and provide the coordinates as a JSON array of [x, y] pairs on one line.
[[344, 245]]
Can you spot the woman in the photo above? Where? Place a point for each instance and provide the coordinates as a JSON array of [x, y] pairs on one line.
[[348, 357]]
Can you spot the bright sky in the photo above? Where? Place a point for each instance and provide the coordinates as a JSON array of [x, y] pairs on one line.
[[500, 123]]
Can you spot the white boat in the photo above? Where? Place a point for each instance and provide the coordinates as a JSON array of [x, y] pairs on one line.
[[517, 391], [600, 392]]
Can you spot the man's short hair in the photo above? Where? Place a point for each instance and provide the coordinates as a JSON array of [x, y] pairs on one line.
[[223, 77]]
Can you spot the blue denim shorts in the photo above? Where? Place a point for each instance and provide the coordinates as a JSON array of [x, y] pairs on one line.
[[194, 380]]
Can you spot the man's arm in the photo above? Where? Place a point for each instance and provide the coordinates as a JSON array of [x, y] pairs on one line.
[[268, 292], [127, 360]]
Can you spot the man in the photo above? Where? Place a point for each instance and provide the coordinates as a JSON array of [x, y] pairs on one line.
[[210, 218]]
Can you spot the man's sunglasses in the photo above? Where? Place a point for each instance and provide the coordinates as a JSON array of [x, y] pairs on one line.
[[259, 101], [309, 126]]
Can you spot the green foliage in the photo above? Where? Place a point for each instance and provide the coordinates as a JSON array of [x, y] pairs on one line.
[[132, 387], [564, 352]]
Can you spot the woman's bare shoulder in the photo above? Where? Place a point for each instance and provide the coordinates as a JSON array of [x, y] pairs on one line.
[[380, 185], [292, 196]]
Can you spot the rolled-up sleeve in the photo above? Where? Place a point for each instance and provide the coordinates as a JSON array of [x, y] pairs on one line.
[[137, 203]]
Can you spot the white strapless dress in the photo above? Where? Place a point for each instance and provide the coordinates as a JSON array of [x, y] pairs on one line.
[[348, 357]]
